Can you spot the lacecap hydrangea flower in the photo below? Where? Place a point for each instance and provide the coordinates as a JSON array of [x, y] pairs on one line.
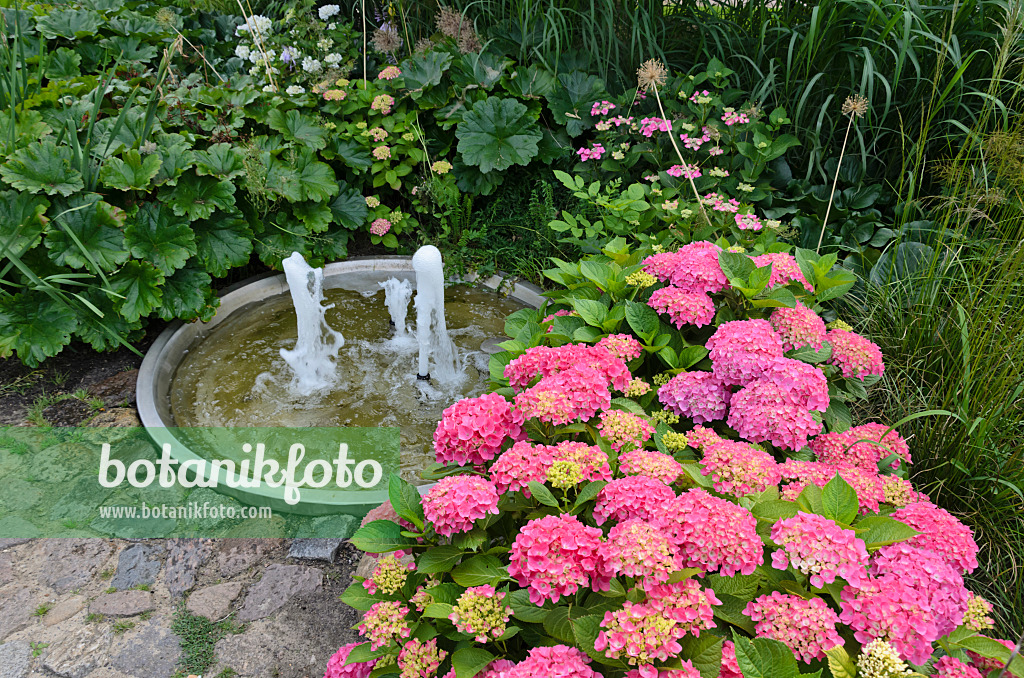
[[456, 502], [819, 548], [553, 556], [337, 668], [807, 627], [700, 396], [481, 612], [652, 464], [711, 533], [798, 327], [739, 468], [682, 307], [855, 356], [940, 532], [473, 430]]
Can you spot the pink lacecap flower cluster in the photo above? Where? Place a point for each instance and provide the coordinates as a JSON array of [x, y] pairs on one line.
[[558, 661], [734, 118], [391, 571], [337, 668], [748, 222], [648, 126], [456, 502], [553, 556], [384, 622], [843, 449], [380, 226], [701, 396], [545, 361], [473, 430], [869, 486], [854, 355], [739, 468], [941, 586], [593, 153], [694, 143], [807, 627], [720, 203], [687, 171], [632, 497], [712, 533], [602, 108], [390, 73], [652, 464], [623, 346], [693, 97], [620, 120], [639, 549], [942, 533], [818, 547], [785, 269], [624, 428], [798, 327]]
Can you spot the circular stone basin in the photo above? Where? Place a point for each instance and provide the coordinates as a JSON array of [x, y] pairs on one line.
[[229, 372]]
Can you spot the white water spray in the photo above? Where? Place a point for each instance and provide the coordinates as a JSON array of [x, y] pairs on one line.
[[317, 346], [396, 298], [431, 329]]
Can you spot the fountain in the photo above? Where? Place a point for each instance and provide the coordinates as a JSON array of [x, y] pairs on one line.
[[396, 298], [431, 327], [317, 346]]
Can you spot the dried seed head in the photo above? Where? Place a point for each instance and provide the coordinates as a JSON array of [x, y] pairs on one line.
[[468, 42], [424, 45], [450, 22], [386, 40], [855, 105], [651, 74]]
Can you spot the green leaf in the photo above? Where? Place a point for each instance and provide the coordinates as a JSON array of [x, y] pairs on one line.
[[879, 531], [198, 197], [355, 156], [542, 494], [764, 658], [356, 596], [704, 652], [42, 166], [839, 663], [809, 500], [63, 64], [808, 355], [349, 207], [185, 295], [643, 320], [69, 23], [157, 236], [380, 536], [571, 99], [21, 216], [224, 161], [133, 173], [525, 610], [97, 226], [736, 266], [593, 312], [480, 570], [839, 501], [470, 661], [293, 126], [731, 610], [992, 649], [439, 559], [557, 624], [426, 70], [838, 417], [35, 326], [406, 500], [222, 243], [437, 610], [175, 158], [308, 179], [774, 510], [141, 285], [496, 134]]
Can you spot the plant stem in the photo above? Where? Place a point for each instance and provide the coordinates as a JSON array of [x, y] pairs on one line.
[[362, 15], [672, 138], [835, 182]]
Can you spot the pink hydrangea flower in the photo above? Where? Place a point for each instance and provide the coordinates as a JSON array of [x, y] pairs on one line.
[[638, 549], [623, 346], [926, 571], [382, 153], [685, 603], [380, 226], [553, 556], [764, 412], [558, 661], [632, 497], [818, 547], [519, 465], [648, 126], [621, 428], [940, 532], [688, 671], [337, 668], [712, 533], [899, 492], [730, 666], [420, 659], [682, 307], [687, 171], [891, 611], [951, 667], [784, 269], [390, 73], [739, 468], [805, 384], [691, 268], [456, 502], [807, 627], [798, 327], [701, 396], [389, 574], [652, 464], [748, 222], [868, 485], [481, 612], [700, 437], [385, 622], [842, 449], [593, 153], [593, 463], [473, 430], [545, 361], [740, 350], [575, 394], [855, 356]]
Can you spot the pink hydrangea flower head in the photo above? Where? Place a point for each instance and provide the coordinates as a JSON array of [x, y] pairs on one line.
[[855, 356], [473, 430], [652, 464], [748, 222], [730, 666], [739, 468], [691, 268], [762, 411], [700, 437], [712, 533], [499, 668], [942, 533], [682, 307], [553, 556], [519, 465], [740, 350], [638, 549], [385, 622], [876, 443], [683, 602], [389, 575], [798, 327], [420, 659], [701, 396], [688, 671], [337, 668], [455, 503], [592, 461], [807, 627], [977, 616], [891, 611], [621, 428], [390, 73], [784, 269], [868, 485], [481, 612], [632, 497], [642, 633], [951, 667], [818, 547], [544, 361], [805, 384], [939, 582], [899, 492], [575, 394], [623, 346], [380, 226], [558, 661]]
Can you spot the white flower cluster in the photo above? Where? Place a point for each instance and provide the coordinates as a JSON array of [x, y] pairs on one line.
[[260, 24], [327, 11], [311, 65], [333, 59], [295, 89]]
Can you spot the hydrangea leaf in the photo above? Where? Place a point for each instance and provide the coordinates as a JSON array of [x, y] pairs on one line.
[[380, 536], [222, 243], [21, 217], [439, 559], [764, 658], [470, 661], [133, 173], [187, 295], [141, 285], [349, 207], [480, 570], [879, 531], [69, 23], [642, 319], [356, 596], [157, 236], [42, 166], [94, 224], [295, 127], [557, 624], [496, 134], [35, 326], [220, 160], [839, 663], [405, 500], [198, 197], [704, 652], [839, 501]]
